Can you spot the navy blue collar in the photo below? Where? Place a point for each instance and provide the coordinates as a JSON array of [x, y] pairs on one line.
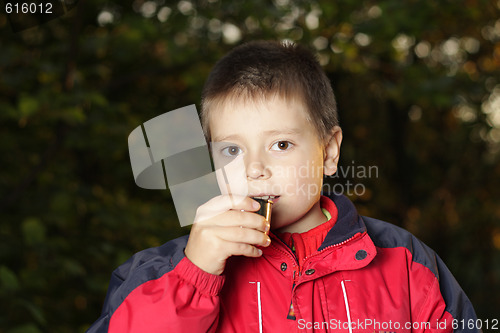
[[348, 222]]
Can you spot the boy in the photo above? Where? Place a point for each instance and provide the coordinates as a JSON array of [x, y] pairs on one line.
[[318, 266]]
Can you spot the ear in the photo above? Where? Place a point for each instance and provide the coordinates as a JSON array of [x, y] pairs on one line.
[[332, 151]]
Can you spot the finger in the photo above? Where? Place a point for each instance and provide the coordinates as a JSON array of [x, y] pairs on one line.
[[224, 203], [236, 218], [244, 235], [235, 202], [243, 249]]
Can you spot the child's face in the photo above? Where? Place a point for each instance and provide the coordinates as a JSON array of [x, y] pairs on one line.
[[282, 156]]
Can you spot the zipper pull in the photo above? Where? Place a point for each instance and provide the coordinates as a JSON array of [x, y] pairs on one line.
[[291, 312]]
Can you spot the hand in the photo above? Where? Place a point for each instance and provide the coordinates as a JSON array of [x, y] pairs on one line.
[[221, 229]]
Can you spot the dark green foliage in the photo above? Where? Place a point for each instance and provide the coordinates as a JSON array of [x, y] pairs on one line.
[[413, 81]]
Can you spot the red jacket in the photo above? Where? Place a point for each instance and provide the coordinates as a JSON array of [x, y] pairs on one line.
[[367, 276]]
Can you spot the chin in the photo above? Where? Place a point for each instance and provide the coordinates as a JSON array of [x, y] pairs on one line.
[[278, 222]]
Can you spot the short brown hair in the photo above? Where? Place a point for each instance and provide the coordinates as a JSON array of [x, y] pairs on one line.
[[260, 69]]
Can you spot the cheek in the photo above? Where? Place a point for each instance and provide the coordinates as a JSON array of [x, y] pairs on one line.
[[232, 178], [301, 177]]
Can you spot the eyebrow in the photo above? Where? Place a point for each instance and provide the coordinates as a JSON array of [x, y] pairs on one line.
[[287, 131]]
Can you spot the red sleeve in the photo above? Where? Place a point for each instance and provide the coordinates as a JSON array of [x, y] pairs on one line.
[[438, 302], [432, 315], [182, 300]]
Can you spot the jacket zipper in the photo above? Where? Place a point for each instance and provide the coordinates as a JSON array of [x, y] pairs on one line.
[[297, 274], [291, 311]]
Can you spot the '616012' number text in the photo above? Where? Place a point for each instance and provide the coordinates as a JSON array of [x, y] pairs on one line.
[[28, 8]]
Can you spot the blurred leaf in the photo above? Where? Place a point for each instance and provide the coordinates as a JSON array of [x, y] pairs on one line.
[[33, 231], [35, 312], [27, 105], [8, 279]]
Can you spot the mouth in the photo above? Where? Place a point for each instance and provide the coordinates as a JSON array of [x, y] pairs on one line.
[[273, 198]]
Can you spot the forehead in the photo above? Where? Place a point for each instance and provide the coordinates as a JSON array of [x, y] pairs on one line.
[[266, 115]]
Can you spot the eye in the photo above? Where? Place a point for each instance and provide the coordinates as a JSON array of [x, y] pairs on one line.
[[282, 145], [231, 151]]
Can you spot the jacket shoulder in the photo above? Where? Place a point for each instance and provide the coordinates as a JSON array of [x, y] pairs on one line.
[[157, 260], [144, 266], [387, 235]]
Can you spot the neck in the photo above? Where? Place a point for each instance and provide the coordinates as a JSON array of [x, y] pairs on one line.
[[310, 220]]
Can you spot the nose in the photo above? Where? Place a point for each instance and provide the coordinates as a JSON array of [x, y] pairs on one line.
[[256, 167]]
